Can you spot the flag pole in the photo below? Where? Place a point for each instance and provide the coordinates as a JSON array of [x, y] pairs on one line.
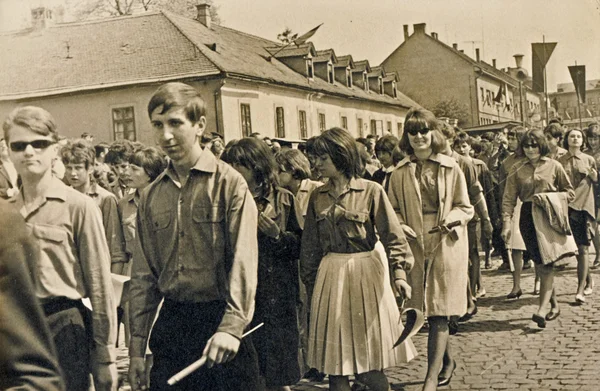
[[578, 99], [545, 81]]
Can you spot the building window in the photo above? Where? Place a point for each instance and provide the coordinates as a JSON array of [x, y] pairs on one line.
[[246, 120], [399, 126], [394, 89], [349, 77], [279, 122], [310, 70], [124, 123], [359, 125], [389, 127], [303, 125], [344, 122], [322, 124], [380, 81], [366, 82], [330, 77]]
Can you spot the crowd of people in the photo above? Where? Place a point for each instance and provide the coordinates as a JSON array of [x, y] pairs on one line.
[[272, 264]]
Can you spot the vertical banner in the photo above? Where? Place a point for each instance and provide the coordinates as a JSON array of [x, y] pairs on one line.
[[541, 53], [578, 75]]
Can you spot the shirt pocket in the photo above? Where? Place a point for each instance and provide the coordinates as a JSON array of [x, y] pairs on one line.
[[161, 220], [129, 228], [54, 245], [354, 223], [211, 220]]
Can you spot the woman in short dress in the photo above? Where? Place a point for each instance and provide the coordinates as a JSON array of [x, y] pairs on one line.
[[593, 149], [354, 318], [583, 174], [279, 233], [428, 189], [538, 174]]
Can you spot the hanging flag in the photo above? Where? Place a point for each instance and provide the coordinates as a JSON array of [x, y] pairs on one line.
[[500, 95], [567, 114], [554, 103], [304, 37], [589, 113], [578, 75], [541, 53]]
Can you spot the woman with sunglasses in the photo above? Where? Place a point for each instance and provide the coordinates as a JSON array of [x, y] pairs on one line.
[[428, 191], [354, 319], [583, 174], [538, 174]]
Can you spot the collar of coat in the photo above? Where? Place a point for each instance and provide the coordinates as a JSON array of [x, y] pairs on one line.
[[354, 184], [443, 160]]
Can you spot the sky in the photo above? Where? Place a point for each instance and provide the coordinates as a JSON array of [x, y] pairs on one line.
[[373, 29]]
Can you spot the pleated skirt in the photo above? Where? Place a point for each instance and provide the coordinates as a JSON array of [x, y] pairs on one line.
[[354, 318]]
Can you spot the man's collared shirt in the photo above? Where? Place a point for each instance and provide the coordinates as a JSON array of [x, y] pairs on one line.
[[107, 202], [199, 244], [74, 261]]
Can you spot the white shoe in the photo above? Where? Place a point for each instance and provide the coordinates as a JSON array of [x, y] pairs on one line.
[[579, 299], [589, 289]]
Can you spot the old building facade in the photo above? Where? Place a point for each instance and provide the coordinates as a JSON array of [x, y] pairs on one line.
[[98, 77], [564, 102]]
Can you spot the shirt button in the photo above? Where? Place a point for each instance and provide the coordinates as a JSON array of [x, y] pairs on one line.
[[182, 234], [273, 301], [270, 269]]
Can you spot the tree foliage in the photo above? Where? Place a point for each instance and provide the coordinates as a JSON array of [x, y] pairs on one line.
[[452, 108], [287, 36], [92, 9]]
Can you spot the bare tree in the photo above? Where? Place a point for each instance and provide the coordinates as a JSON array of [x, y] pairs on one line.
[[287, 36], [92, 9]]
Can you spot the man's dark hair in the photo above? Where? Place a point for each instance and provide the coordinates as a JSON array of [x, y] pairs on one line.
[[178, 95], [342, 149]]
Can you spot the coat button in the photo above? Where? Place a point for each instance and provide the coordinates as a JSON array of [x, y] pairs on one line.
[[270, 269]]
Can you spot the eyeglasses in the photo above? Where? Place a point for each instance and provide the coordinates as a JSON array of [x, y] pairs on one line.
[[511, 134], [530, 145], [413, 132], [38, 145]]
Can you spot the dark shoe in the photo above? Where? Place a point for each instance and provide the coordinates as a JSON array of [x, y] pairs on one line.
[[468, 315], [553, 314], [503, 267], [453, 327], [444, 381], [540, 320], [514, 295], [314, 375]]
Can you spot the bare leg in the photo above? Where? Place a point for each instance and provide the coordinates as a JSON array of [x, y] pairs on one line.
[[546, 287], [375, 380], [517, 256], [339, 383], [596, 242], [470, 302], [582, 268], [436, 348]]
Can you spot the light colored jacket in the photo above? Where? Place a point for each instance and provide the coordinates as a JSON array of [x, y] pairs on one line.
[[441, 290]]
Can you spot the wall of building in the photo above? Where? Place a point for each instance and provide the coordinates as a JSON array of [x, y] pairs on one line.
[[91, 112], [568, 110], [263, 100], [489, 111], [429, 73]]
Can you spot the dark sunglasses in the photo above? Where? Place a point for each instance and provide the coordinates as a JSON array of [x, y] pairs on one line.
[[532, 145], [20, 146], [511, 134], [413, 132]]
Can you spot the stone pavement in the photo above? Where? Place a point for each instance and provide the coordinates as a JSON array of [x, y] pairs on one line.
[[501, 348]]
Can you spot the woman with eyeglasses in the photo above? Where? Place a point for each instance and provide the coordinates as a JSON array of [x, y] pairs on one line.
[[583, 174], [429, 193], [593, 149], [354, 319], [538, 174]]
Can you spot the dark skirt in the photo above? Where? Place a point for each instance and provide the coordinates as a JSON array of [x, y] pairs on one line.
[[528, 233], [578, 220]]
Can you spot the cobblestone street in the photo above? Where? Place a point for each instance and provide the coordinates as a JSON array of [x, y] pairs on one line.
[[501, 348]]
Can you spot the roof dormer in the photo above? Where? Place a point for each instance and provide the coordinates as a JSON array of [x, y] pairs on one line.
[[359, 74], [343, 70], [375, 78], [324, 65], [299, 58], [390, 83]]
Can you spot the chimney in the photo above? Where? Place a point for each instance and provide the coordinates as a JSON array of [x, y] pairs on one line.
[[406, 35], [494, 62], [455, 46], [519, 60], [419, 28], [477, 54], [435, 36], [203, 14]]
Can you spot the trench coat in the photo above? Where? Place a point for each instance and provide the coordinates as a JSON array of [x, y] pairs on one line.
[[441, 290]]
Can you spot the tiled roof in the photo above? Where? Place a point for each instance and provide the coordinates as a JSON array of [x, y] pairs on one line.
[[390, 77], [113, 51], [292, 50], [325, 55], [344, 61], [149, 47], [362, 65], [570, 87]]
